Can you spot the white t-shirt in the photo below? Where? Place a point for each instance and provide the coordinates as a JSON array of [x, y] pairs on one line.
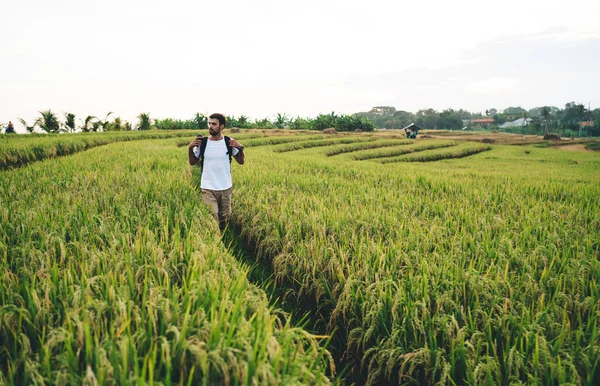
[[216, 174]]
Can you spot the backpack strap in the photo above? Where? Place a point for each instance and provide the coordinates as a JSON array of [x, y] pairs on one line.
[[229, 149], [203, 143]]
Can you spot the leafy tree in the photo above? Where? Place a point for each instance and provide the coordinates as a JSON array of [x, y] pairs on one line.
[[300, 124], [514, 111], [105, 124], [70, 122], [281, 120], [427, 119], [324, 121], [117, 124], [449, 120], [30, 129], [401, 119], [144, 121], [232, 121], [264, 123], [244, 122], [87, 124], [48, 122], [200, 121], [383, 110], [499, 119], [546, 114]]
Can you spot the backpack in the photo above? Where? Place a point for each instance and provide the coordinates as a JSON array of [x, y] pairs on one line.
[[203, 149]]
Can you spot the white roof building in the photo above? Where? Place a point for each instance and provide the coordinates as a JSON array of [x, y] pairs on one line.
[[516, 123]]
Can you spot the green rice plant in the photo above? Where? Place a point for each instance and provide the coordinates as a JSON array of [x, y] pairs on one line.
[[479, 271], [483, 270], [593, 146], [307, 144], [112, 271], [402, 149], [276, 140], [463, 150], [16, 151], [366, 145]]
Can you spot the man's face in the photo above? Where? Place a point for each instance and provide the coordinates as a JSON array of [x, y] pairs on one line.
[[213, 127]]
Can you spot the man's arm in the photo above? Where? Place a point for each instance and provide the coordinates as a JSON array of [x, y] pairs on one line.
[[240, 157], [193, 160]]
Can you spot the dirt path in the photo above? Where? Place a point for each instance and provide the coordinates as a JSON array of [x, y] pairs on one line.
[[576, 147]]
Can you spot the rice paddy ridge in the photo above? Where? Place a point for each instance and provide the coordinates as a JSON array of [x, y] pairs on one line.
[[377, 143], [437, 153], [307, 144], [400, 150]]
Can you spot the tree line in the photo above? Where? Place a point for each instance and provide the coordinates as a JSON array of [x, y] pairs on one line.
[[340, 122], [50, 122], [573, 120]]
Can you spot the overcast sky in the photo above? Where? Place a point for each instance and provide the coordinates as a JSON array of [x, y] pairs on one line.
[[175, 58]]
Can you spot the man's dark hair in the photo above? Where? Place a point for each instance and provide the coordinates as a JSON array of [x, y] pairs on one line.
[[220, 117]]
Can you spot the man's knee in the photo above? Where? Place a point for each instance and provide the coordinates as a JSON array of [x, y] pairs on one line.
[[209, 199]]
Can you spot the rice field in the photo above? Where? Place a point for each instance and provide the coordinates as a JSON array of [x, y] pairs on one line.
[[423, 262]]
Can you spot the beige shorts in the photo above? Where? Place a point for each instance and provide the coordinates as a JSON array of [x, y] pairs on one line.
[[219, 202]]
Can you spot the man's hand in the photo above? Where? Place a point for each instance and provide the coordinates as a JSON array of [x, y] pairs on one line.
[[234, 143], [193, 160], [195, 142]]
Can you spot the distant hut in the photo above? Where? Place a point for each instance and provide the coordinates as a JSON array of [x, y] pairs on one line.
[[411, 130]]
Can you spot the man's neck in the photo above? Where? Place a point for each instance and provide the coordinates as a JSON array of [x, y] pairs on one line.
[[217, 137]]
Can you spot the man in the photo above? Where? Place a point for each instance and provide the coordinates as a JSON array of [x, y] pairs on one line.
[[10, 129], [214, 154]]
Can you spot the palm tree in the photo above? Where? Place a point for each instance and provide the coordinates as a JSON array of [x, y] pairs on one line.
[[546, 112], [243, 121], [104, 123], [145, 121], [117, 124], [86, 126], [29, 129], [70, 122], [281, 120], [48, 122]]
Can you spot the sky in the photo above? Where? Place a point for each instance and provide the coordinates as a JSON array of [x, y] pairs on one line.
[[259, 58]]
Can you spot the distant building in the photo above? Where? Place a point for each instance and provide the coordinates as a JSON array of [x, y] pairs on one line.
[[481, 122], [586, 124], [521, 122]]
